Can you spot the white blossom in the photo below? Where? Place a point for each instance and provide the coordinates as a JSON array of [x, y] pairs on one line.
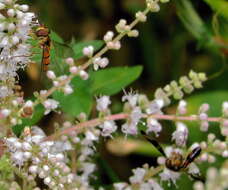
[[88, 51], [138, 176], [153, 126], [50, 105], [108, 127], [131, 97], [13, 38], [168, 175], [102, 103], [181, 134]]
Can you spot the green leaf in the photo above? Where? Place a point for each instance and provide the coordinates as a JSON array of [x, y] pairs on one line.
[[55, 37], [194, 23], [78, 47], [111, 81], [80, 100], [220, 6], [37, 115]]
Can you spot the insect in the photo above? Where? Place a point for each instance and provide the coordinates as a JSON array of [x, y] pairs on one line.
[[55, 46], [43, 32], [176, 161]]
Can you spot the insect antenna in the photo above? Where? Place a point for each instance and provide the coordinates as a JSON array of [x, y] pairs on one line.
[[154, 143]]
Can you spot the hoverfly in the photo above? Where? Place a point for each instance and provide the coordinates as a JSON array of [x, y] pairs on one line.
[[43, 32], [50, 46], [176, 162]]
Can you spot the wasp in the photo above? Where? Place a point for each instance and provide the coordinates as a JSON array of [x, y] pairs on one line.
[[42, 33], [176, 162]]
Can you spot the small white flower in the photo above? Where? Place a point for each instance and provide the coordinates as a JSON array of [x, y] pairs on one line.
[[120, 186], [122, 26], [141, 16], [153, 5], [88, 51], [18, 158], [24, 8], [154, 185], [181, 134], [155, 107], [26, 146], [104, 62], [91, 136], [153, 126], [2, 6], [181, 108], [70, 61], [133, 33], [138, 176], [4, 90], [88, 168], [131, 97], [27, 155], [102, 103], [108, 127], [46, 168], [129, 128], [47, 180], [74, 70], [50, 105], [100, 62], [33, 169], [114, 45], [28, 103], [59, 157], [10, 12], [108, 36], [5, 112], [193, 169], [168, 175], [68, 90], [84, 75], [51, 75]]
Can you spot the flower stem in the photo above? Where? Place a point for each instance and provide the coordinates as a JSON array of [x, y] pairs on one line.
[[95, 122]]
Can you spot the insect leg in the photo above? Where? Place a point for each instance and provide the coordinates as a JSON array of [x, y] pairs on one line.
[[154, 143]]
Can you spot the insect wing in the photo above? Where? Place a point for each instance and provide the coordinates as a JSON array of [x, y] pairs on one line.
[[191, 156], [154, 143], [63, 50]]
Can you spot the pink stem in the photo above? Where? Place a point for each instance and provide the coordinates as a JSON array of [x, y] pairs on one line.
[[98, 121], [90, 123]]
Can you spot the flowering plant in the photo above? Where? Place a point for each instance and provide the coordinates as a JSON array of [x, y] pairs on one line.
[[66, 158]]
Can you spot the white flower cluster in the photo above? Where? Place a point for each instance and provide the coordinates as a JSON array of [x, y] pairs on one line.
[[218, 146], [138, 106], [85, 151], [15, 26], [45, 159], [216, 179], [138, 180]]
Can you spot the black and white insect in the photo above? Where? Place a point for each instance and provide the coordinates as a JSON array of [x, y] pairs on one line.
[[176, 162]]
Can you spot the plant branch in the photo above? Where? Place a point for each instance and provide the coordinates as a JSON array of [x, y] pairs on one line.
[[95, 122]]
